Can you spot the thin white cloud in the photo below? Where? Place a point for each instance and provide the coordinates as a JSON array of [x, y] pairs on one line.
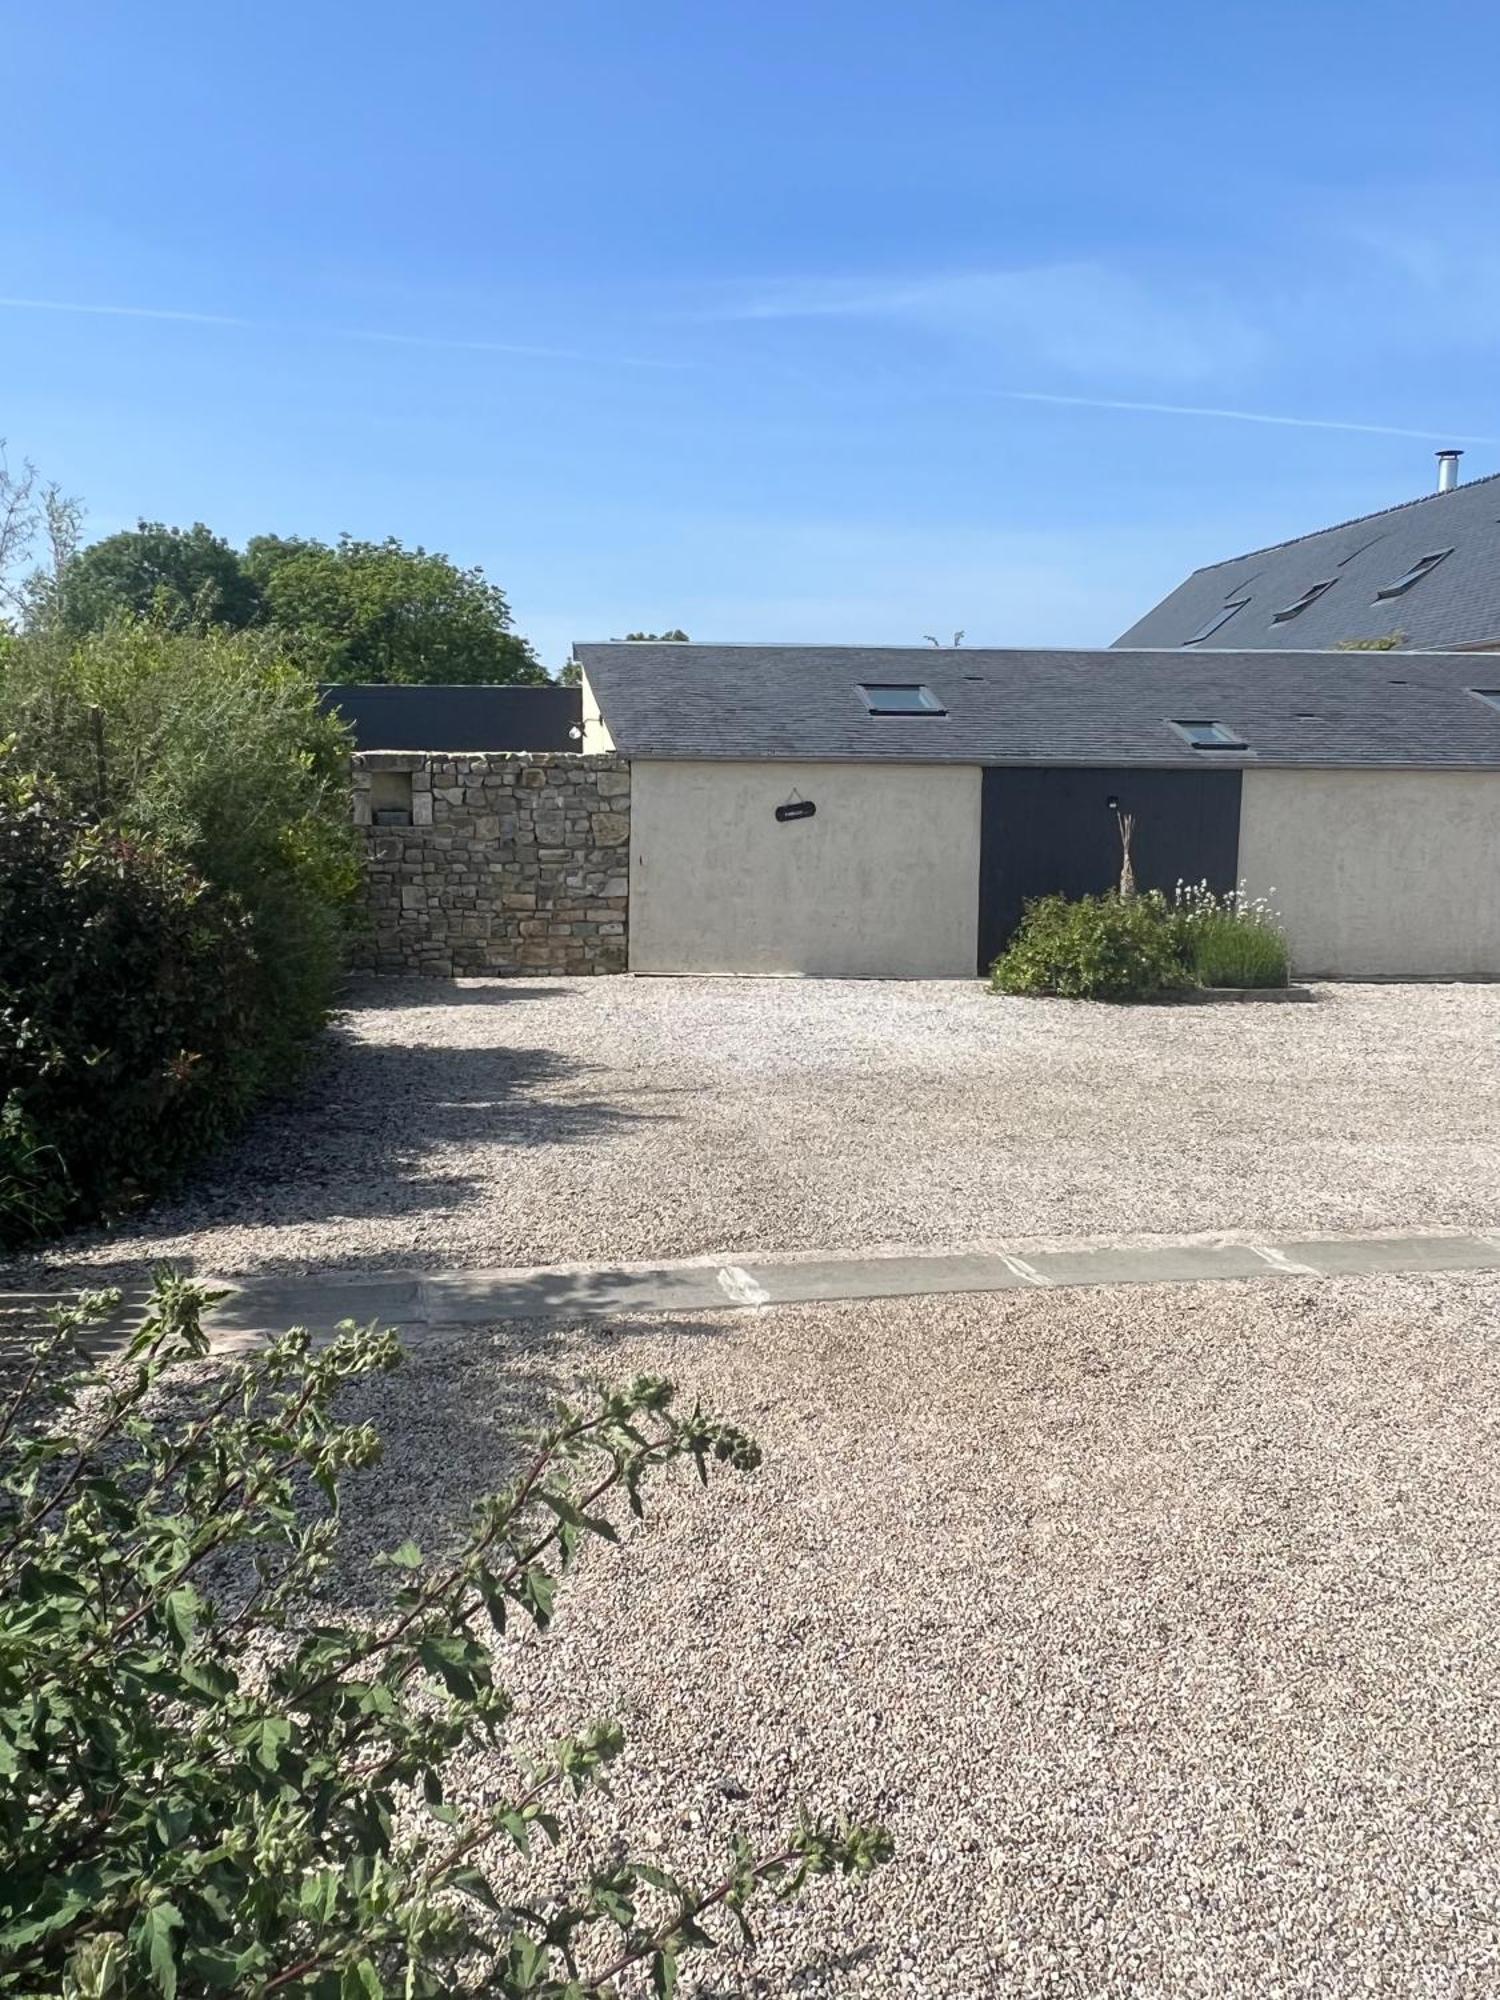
[[430, 340], [498, 347], [1238, 416], [124, 312], [1088, 318]]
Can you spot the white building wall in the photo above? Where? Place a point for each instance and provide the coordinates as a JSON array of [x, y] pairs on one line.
[[882, 881], [1378, 874]]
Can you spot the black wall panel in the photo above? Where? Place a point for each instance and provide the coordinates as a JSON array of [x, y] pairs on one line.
[[1045, 832]]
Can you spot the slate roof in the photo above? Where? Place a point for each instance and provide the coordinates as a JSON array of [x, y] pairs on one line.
[[1456, 604], [1054, 707]]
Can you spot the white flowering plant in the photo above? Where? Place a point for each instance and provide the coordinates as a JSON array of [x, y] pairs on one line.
[[1229, 938]]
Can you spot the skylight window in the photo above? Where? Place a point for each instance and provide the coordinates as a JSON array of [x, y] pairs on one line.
[[1220, 618], [1210, 735], [900, 698], [1309, 596], [1423, 566]]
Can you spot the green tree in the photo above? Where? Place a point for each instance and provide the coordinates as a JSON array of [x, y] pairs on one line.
[[379, 611], [676, 637], [32, 513], [186, 578]]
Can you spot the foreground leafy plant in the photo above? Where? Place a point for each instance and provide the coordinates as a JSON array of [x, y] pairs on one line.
[[208, 1783]]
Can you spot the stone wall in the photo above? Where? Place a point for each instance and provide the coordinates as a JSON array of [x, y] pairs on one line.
[[509, 863]]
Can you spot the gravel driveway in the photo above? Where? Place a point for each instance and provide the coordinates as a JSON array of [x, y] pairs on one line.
[[509, 1123], [1159, 1627]]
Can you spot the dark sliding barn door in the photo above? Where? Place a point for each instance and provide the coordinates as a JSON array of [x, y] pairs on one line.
[[1049, 832]]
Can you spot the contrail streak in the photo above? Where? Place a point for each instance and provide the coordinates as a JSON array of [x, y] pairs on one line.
[[125, 312], [435, 340], [1232, 416]]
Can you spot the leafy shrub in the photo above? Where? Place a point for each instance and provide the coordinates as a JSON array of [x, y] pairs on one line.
[[127, 990], [1095, 948], [1229, 940], [211, 746], [210, 1789]]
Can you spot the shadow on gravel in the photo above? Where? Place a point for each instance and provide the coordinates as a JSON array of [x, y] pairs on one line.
[[358, 1139], [374, 992], [456, 1421]]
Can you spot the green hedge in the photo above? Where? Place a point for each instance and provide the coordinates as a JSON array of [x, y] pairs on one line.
[[128, 990], [174, 904], [211, 747]]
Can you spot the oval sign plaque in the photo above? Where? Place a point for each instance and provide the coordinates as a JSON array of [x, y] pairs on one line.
[[796, 809]]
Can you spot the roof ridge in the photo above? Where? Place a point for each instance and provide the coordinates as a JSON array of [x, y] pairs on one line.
[[1354, 521]]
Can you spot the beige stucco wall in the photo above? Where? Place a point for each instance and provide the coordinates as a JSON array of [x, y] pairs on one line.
[[1379, 874], [883, 882], [597, 741]]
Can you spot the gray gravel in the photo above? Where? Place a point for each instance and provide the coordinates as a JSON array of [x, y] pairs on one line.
[[1158, 1626], [517, 1123]]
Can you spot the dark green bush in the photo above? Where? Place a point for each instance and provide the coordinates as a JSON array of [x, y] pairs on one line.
[[212, 1783], [128, 990], [1097, 948], [212, 747]]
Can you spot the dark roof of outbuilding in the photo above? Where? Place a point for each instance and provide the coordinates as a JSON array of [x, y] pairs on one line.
[[388, 715], [1052, 707], [1456, 604]]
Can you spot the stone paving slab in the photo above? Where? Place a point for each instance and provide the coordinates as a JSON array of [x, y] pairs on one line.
[[415, 1301], [475, 1298], [880, 1278], [1171, 1264], [264, 1306], [465, 1297], [1396, 1253]]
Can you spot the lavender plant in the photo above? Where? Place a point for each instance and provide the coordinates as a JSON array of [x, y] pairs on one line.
[[211, 1784]]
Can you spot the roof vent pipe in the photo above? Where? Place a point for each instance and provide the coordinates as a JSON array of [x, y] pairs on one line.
[[1448, 470]]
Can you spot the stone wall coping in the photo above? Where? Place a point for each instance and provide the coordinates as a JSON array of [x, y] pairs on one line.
[[419, 760]]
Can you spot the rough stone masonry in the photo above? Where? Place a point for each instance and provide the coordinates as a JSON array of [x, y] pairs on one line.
[[494, 862]]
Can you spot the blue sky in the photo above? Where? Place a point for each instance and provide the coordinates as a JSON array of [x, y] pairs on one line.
[[783, 322]]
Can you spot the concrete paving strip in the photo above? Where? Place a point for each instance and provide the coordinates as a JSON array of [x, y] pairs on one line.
[[1397, 1253], [415, 1300]]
